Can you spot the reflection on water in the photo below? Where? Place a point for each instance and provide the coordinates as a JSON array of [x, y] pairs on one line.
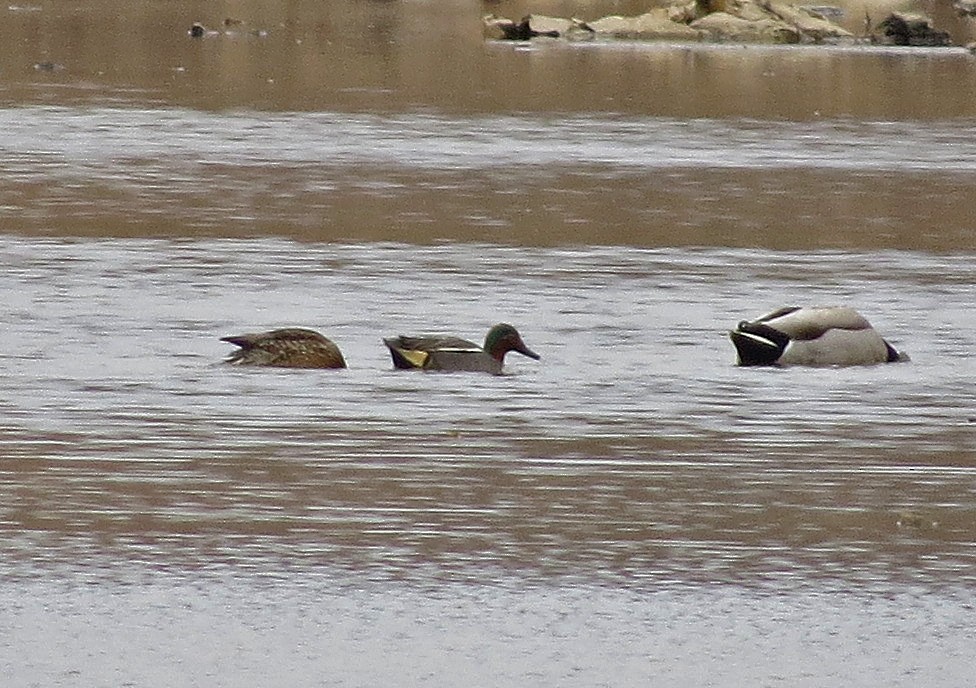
[[501, 179], [634, 449], [350, 55]]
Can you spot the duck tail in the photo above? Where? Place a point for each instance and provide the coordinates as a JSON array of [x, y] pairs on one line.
[[241, 340], [895, 356], [405, 359]]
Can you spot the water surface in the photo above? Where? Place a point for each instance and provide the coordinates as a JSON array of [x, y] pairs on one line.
[[507, 179], [634, 443], [634, 465]]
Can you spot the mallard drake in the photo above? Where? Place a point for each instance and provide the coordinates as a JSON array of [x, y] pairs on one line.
[[290, 347], [818, 336], [436, 352]]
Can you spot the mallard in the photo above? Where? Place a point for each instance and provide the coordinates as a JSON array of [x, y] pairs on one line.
[[290, 347], [437, 352], [817, 336]]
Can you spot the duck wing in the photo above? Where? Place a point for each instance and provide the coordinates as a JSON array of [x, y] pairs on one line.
[[433, 343], [813, 322], [283, 336], [414, 351]]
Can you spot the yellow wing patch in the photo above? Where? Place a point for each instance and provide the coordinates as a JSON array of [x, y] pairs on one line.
[[416, 358]]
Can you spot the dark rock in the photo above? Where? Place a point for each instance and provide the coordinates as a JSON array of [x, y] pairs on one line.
[[505, 29], [901, 28]]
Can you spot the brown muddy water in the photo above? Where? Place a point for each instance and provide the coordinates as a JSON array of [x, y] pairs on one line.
[[631, 510]]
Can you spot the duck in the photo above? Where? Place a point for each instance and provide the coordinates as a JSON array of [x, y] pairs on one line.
[[289, 347], [812, 336], [449, 353]]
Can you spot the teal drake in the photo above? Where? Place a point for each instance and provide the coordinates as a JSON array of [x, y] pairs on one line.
[[290, 347], [815, 336], [436, 352]]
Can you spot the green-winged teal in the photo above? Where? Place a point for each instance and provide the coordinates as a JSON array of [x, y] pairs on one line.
[[290, 347], [434, 352], [818, 336]]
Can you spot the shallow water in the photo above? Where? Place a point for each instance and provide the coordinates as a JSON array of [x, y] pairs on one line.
[[508, 179], [222, 632], [632, 507], [633, 448], [633, 460]]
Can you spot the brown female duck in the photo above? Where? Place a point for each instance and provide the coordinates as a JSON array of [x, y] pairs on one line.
[[290, 347]]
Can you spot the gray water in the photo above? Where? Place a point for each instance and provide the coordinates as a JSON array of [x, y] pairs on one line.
[[633, 467]]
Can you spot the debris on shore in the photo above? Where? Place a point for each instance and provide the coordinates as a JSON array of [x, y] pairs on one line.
[[730, 21]]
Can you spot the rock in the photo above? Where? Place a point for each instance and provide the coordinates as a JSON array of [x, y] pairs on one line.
[[810, 26], [531, 26], [750, 10], [828, 12], [722, 26], [746, 21], [502, 29], [903, 28], [655, 24], [684, 13], [541, 25], [701, 8], [965, 8]]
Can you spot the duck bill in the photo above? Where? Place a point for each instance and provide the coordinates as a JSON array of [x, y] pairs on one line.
[[526, 351]]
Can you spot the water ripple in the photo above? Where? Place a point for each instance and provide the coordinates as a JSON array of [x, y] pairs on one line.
[[634, 448]]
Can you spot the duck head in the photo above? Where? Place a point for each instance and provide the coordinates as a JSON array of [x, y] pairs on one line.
[[503, 338]]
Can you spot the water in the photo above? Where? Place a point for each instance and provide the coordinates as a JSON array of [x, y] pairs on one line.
[[316, 634], [631, 508], [526, 179], [633, 461]]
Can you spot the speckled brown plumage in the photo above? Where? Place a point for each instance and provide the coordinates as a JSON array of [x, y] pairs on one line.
[[290, 347]]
